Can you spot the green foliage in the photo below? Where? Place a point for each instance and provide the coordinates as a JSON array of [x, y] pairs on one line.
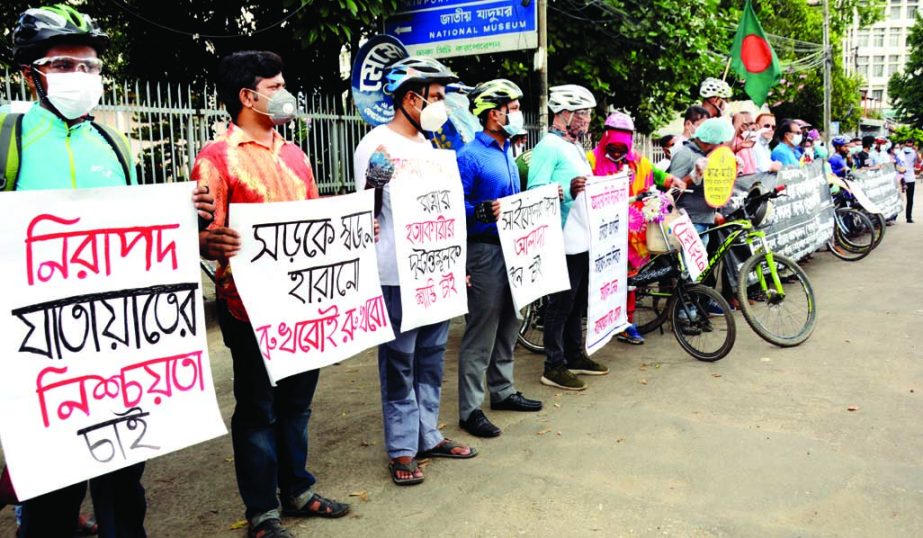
[[906, 89], [905, 133]]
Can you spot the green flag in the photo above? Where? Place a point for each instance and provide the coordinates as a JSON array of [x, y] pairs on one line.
[[753, 59]]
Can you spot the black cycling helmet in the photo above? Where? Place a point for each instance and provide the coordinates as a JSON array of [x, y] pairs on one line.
[[41, 28]]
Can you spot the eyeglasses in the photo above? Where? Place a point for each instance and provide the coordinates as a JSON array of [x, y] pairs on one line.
[[585, 113], [769, 126], [70, 64]]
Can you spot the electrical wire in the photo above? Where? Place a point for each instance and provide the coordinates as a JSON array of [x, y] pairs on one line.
[[121, 5]]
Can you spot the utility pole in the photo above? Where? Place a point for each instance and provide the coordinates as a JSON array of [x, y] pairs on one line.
[[828, 61], [541, 65]]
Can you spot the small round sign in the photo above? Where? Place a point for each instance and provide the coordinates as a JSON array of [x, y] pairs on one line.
[[373, 58]]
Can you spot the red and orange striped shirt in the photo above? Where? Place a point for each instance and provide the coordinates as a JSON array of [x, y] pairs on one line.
[[238, 169]]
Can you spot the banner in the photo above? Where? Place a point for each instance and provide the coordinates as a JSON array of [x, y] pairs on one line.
[[105, 360], [430, 236], [310, 284], [604, 207], [533, 244], [802, 219], [881, 187], [695, 256]]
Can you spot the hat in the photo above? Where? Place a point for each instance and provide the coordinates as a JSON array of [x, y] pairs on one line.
[[715, 131]]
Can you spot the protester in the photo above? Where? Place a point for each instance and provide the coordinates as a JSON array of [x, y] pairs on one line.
[[839, 161], [714, 93], [863, 159], [909, 158], [488, 173], [787, 137], [745, 139], [410, 367], [666, 143], [559, 159], [694, 116], [615, 154], [762, 154], [807, 151], [57, 49], [252, 163], [689, 163]]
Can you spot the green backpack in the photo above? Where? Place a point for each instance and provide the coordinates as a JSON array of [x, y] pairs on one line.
[[11, 148]]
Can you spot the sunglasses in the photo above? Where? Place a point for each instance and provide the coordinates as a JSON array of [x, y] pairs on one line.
[[769, 126]]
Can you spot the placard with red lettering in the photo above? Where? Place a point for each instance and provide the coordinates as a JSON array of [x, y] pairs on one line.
[[430, 236], [694, 255], [105, 357], [308, 276], [604, 205], [533, 244]]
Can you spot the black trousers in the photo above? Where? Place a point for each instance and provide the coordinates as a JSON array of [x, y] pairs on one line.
[[910, 200]]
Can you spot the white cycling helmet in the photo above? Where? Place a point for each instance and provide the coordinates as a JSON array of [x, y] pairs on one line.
[[570, 97], [713, 87]]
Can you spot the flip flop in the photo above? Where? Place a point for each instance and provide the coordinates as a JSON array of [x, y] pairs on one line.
[[395, 466], [444, 450]]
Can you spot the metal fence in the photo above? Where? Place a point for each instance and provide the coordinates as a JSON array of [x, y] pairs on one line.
[[168, 124]]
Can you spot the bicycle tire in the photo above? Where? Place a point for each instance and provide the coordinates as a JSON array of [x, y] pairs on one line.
[[850, 226], [794, 280], [650, 307], [879, 224], [531, 330], [693, 301]]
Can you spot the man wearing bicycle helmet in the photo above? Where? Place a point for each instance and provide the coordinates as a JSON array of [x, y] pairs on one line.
[[410, 366], [714, 93], [488, 172], [839, 160], [560, 159], [57, 50]]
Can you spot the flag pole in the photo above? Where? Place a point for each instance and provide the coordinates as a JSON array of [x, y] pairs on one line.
[[726, 69]]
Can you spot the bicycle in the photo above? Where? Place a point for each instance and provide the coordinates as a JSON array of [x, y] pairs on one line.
[[775, 295], [853, 235]]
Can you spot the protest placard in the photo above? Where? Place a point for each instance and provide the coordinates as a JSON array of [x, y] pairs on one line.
[[105, 357], [308, 276], [533, 244], [720, 174], [428, 206], [695, 256], [880, 187], [603, 206]]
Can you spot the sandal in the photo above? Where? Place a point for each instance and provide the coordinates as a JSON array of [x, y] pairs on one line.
[[325, 508], [411, 467], [444, 450]]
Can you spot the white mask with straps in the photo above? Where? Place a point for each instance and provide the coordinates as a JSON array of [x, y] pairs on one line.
[[74, 94]]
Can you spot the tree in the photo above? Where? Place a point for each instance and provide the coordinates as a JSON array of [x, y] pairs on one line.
[[906, 89]]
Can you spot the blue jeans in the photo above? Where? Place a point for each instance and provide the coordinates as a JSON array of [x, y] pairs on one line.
[[700, 228], [269, 429], [410, 370], [118, 502]]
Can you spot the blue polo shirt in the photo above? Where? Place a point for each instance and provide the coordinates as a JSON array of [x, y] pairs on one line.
[[784, 154], [838, 165], [488, 172]]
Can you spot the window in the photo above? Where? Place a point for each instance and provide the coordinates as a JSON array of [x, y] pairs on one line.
[[912, 8], [878, 37], [862, 66], [894, 37], [894, 62], [877, 95], [878, 66], [895, 13], [863, 38]]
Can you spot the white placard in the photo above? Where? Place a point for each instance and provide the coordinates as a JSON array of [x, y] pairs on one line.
[[428, 209], [694, 254], [105, 356], [867, 204], [308, 276], [604, 206], [533, 244]]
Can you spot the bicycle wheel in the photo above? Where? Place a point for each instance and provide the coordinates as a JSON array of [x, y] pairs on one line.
[[879, 224], [853, 235], [785, 319], [651, 306], [700, 329], [531, 332]]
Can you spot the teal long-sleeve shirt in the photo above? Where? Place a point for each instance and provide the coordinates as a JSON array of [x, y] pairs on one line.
[[557, 161]]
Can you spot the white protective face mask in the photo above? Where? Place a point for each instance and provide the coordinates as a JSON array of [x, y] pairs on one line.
[[796, 140], [74, 94], [514, 123], [434, 116]]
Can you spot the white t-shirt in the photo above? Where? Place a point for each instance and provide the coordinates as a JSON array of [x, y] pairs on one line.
[[909, 159], [398, 147]]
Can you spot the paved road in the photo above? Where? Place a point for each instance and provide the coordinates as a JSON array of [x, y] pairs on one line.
[[759, 444]]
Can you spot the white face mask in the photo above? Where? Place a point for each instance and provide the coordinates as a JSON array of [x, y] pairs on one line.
[[74, 94], [796, 140], [433, 116], [514, 123]]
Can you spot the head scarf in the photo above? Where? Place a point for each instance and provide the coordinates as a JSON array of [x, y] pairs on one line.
[[605, 167]]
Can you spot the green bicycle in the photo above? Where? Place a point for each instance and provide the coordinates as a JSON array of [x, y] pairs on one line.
[[775, 294]]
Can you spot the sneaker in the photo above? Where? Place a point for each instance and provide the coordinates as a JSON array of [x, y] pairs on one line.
[[562, 378], [631, 336], [586, 366], [271, 528], [714, 308]]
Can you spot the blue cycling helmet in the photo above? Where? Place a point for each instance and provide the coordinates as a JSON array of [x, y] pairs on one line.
[[420, 69], [839, 141]]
